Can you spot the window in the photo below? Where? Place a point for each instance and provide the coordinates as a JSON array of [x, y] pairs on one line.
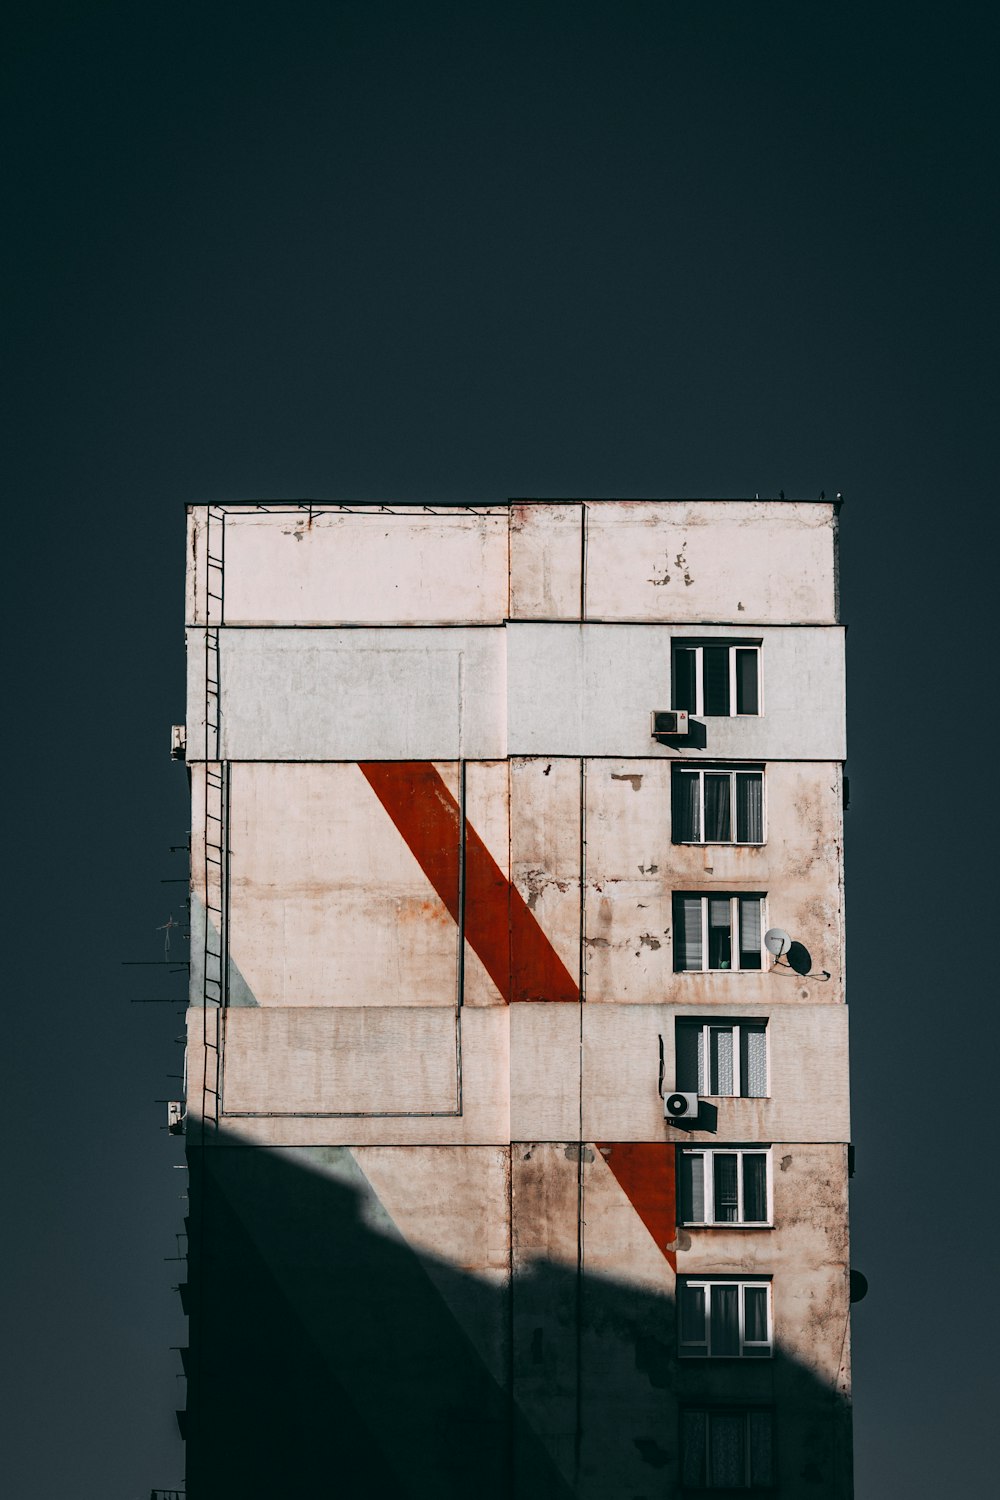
[[713, 806], [716, 679], [724, 1318], [726, 1060], [727, 1448], [727, 1186], [717, 932]]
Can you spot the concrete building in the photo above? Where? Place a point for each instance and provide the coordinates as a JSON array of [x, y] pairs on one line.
[[462, 924]]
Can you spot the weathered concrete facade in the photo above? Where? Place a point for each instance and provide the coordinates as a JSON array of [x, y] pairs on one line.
[[459, 924]]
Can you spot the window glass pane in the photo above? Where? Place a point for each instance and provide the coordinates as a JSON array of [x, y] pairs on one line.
[[720, 946], [718, 822], [692, 1300], [692, 1188], [685, 662], [716, 684], [689, 1059], [755, 1187], [761, 1464], [686, 786], [726, 1188], [749, 807], [687, 932], [750, 932], [725, 1318], [727, 1450], [755, 1314], [694, 1433], [721, 1060], [747, 696], [753, 1071]]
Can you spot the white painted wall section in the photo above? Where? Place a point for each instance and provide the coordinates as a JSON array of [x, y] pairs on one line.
[[287, 567], [589, 690], [366, 694], [698, 560]]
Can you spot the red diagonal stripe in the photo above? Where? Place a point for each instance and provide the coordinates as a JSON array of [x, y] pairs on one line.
[[645, 1172], [497, 919]]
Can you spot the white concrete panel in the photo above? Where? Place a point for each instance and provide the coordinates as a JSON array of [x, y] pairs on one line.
[[633, 868], [544, 1072], [618, 1243], [376, 694], [337, 1061], [545, 801], [346, 1059], [699, 560], [487, 813], [589, 690], [628, 916], [327, 905], [806, 1253], [451, 1205], [287, 567], [546, 560], [799, 869], [807, 1047]]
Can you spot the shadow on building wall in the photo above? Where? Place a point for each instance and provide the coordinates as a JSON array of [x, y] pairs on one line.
[[329, 1359]]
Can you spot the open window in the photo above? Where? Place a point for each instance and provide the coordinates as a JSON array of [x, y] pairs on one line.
[[716, 679]]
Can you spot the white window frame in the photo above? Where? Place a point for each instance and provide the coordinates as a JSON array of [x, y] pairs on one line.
[[734, 899], [744, 1283], [698, 647], [707, 1027], [685, 768], [708, 1155], [746, 1412]]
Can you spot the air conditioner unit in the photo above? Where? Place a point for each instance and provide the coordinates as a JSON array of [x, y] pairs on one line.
[[678, 1106], [175, 1117], [668, 723], [178, 741]]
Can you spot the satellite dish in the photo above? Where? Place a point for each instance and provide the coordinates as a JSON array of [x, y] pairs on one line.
[[777, 941]]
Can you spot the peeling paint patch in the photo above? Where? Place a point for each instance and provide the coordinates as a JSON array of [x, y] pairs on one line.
[[653, 1358], [786, 1162], [651, 1452], [635, 779], [647, 869], [576, 1151], [647, 940]]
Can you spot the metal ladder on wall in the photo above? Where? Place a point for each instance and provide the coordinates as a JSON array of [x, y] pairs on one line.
[[216, 789]]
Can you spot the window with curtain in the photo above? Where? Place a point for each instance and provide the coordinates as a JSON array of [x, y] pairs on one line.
[[722, 1059], [723, 1186], [727, 1448], [716, 679], [716, 932], [724, 1318]]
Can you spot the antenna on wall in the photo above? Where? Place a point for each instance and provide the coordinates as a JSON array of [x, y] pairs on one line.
[[777, 941], [779, 944]]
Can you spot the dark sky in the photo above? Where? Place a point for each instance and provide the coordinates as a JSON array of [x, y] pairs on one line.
[[455, 252]]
